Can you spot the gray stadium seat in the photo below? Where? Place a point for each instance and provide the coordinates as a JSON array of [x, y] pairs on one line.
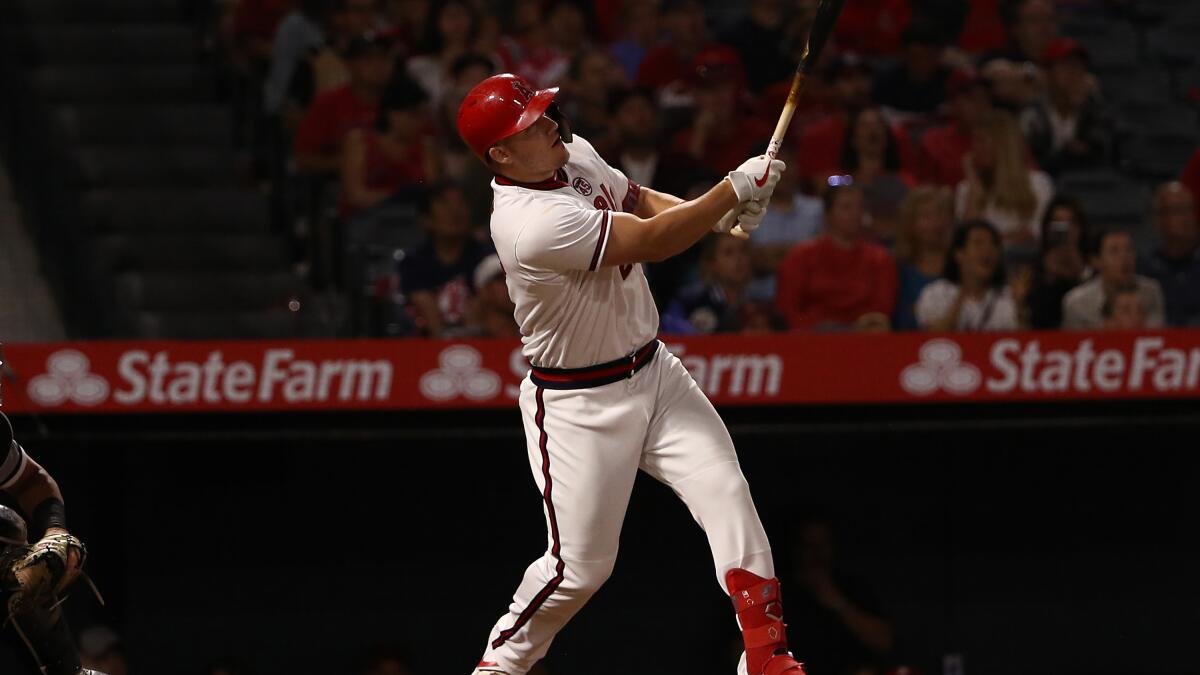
[[1157, 157], [209, 125], [178, 211], [1138, 85], [1124, 204], [207, 291], [124, 84], [1164, 117], [174, 252], [275, 324], [108, 166], [131, 44]]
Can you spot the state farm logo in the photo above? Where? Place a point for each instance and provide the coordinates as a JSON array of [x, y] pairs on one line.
[[940, 367], [582, 186], [68, 379], [461, 374]]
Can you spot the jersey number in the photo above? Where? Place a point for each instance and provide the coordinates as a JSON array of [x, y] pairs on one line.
[[602, 204]]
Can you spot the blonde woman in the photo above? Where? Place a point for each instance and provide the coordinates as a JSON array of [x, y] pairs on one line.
[[922, 242], [999, 186]]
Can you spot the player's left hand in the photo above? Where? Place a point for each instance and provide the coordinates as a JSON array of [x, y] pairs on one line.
[[742, 219]]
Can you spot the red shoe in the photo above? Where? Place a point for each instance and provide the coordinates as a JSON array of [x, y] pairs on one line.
[[760, 615]]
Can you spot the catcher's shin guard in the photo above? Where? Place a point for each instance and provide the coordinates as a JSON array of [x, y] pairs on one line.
[[760, 616]]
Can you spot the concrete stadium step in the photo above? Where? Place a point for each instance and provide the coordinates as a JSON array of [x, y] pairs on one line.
[[178, 211], [216, 290], [273, 324], [96, 124], [124, 84], [117, 166], [105, 11], [100, 44], [206, 251]]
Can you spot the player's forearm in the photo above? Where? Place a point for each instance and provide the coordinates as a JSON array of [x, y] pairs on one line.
[[651, 203], [38, 495], [677, 228]]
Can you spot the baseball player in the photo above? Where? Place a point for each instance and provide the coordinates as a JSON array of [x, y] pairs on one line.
[[32, 577], [604, 398]]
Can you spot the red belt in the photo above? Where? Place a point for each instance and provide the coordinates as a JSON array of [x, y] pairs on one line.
[[594, 376]]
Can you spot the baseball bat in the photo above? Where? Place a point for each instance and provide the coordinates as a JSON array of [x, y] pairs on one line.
[[827, 16]]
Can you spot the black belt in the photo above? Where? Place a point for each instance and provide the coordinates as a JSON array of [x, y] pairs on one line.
[[594, 376]]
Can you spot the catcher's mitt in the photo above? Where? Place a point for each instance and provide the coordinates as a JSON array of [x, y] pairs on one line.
[[35, 575]]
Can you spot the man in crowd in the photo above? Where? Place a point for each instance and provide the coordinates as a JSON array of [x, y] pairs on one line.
[[634, 144], [724, 300], [942, 148], [917, 85], [1114, 260], [1175, 261], [1067, 128], [337, 112], [819, 151], [492, 310], [838, 281], [437, 276]]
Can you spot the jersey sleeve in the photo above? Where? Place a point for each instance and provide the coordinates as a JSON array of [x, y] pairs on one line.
[[626, 190], [565, 237], [12, 464]]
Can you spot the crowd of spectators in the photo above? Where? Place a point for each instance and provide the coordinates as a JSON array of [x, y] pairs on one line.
[[924, 160]]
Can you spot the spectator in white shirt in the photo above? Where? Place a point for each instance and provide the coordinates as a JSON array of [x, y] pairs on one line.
[[974, 295], [1114, 259]]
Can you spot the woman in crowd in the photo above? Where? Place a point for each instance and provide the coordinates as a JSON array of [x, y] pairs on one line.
[[1062, 265], [1000, 187], [922, 242], [973, 295], [871, 156], [399, 152]]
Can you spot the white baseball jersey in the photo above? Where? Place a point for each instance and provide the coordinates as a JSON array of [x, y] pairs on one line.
[[572, 309]]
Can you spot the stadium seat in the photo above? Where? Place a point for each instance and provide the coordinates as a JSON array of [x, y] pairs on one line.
[[1157, 157], [177, 211], [124, 85], [1124, 204], [274, 324], [1136, 85], [116, 166], [209, 125], [1158, 117], [215, 290], [155, 43], [201, 251]]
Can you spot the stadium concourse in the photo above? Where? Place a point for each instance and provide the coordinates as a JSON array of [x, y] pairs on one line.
[[248, 294]]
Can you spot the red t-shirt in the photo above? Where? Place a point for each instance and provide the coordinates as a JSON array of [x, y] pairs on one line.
[[983, 30], [1191, 178], [872, 26], [819, 282], [331, 116], [942, 152], [387, 173]]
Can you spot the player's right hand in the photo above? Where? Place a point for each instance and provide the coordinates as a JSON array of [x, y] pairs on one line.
[[755, 179]]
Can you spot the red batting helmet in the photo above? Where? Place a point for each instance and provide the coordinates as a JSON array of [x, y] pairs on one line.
[[499, 107]]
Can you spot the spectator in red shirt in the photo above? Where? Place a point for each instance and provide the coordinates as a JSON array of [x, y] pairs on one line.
[[982, 29], [942, 148], [334, 114], [399, 152], [721, 131], [839, 281], [820, 143], [670, 67], [873, 26]]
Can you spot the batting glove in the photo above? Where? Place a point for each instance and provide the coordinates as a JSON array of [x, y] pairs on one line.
[[741, 219], [755, 179]]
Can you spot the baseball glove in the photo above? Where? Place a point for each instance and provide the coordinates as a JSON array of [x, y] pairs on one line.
[[35, 575]]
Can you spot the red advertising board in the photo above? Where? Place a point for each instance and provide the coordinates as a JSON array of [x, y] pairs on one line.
[[113, 377]]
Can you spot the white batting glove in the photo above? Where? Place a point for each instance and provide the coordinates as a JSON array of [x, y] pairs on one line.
[[742, 219], [755, 179]]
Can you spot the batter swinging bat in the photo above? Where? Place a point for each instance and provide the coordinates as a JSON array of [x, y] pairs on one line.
[[827, 15]]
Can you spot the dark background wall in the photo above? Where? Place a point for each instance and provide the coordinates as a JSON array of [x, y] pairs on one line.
[[1047, 540]]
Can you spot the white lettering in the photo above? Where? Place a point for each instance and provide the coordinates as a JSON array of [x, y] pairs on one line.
[[272, 372], [239, 382], [1170, 376], [366, 373], [1083, 361], [1029, 361], [212, 374], [1109, 366], [185, 388], [127, 368], [1002, 352], [302, 383], [159, 367], [1056, 376], [1143, 360]]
